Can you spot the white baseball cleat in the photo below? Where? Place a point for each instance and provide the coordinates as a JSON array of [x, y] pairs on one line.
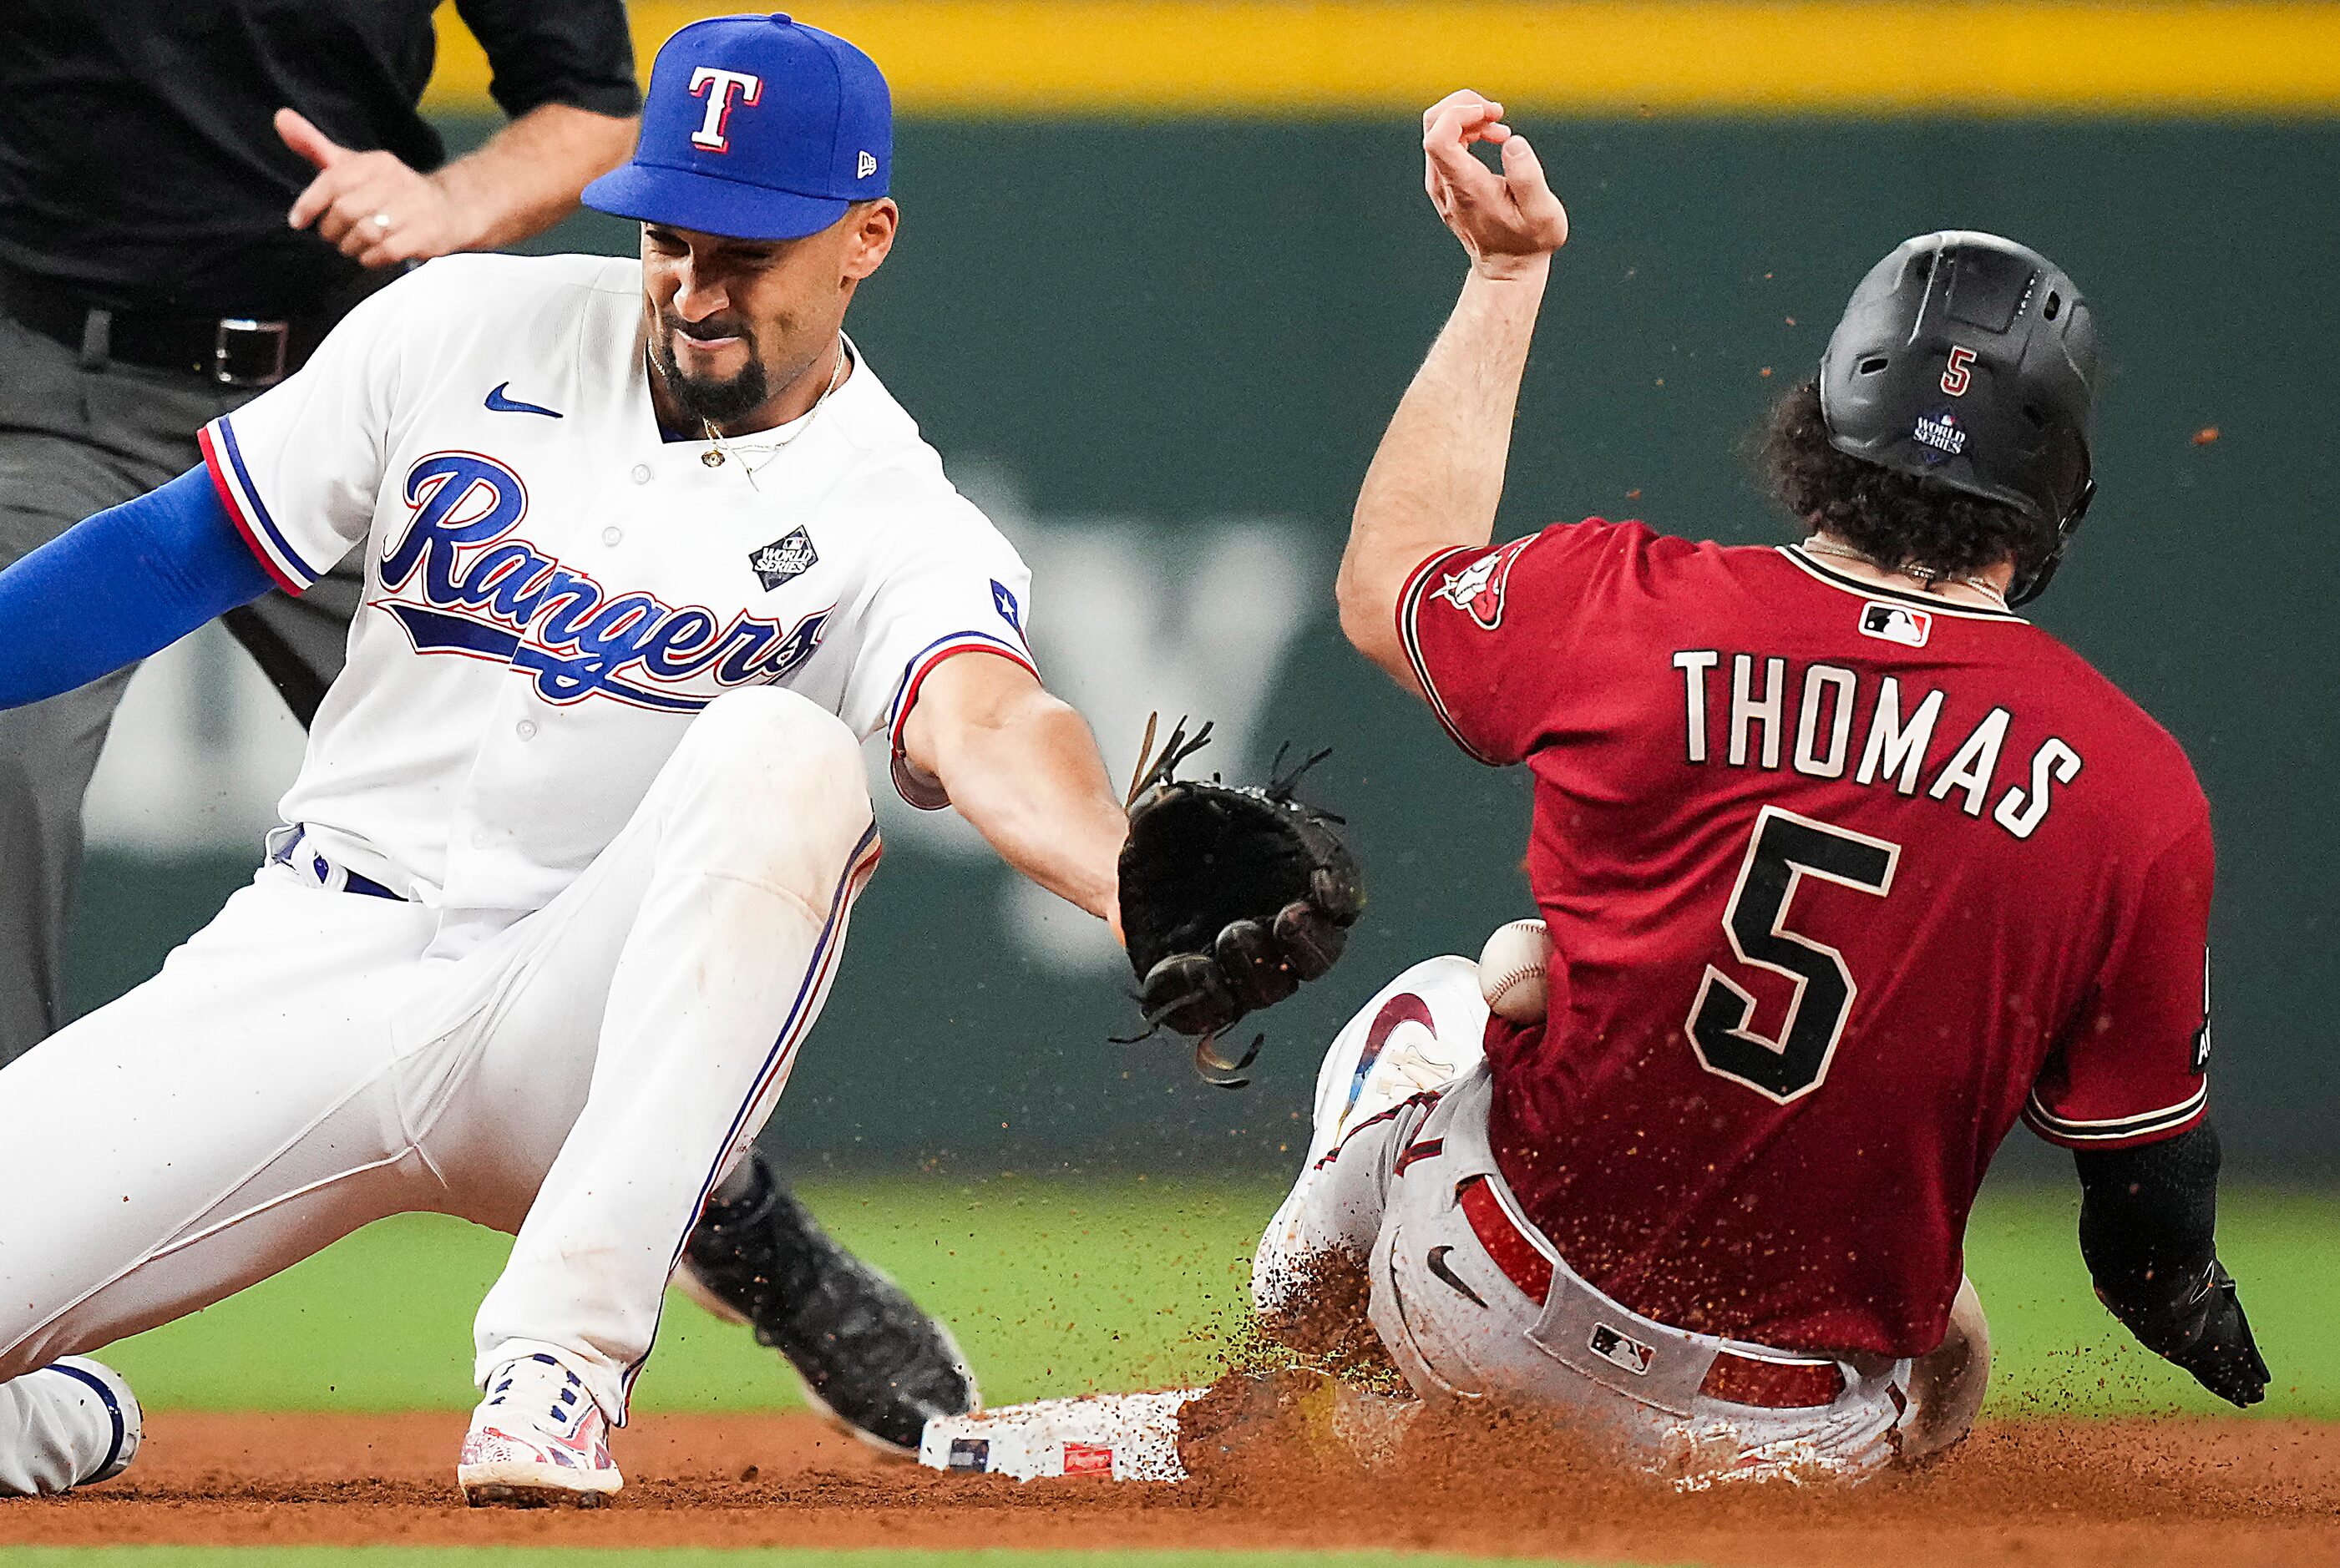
[[118, 1423], [537, 1440]]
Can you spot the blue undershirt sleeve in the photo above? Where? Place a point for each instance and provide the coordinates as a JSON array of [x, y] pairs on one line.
[[119, 586]]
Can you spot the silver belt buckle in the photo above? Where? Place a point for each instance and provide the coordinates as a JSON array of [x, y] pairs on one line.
[[248, 354]]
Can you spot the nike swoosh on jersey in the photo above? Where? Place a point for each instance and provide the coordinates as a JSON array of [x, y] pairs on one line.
[[1448, 1275], [499, 404]]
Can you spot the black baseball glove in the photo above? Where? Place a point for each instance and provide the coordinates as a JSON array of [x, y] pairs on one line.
[[1230, 898]]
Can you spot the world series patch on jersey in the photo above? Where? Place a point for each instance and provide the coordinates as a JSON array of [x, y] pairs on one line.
[[1840, 882], [553, 589]]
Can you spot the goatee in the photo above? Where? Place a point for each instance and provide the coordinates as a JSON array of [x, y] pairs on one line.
[[714, 400]]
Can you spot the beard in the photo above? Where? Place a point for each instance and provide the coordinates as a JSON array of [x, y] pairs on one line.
[[711, 400]]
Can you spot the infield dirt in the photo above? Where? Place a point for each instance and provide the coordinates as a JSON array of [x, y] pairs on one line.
[[2238, 1494]]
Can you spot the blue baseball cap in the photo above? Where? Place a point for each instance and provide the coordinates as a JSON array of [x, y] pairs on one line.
[[757, 128]]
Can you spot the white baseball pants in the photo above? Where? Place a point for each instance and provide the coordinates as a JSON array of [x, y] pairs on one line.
[[1395, 1140], [583, 1079], [57, 1426]]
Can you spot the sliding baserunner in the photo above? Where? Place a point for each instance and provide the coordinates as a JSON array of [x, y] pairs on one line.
[[1844, 866]]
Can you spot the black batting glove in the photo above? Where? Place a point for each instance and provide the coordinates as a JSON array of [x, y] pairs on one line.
[[2205, 1332]]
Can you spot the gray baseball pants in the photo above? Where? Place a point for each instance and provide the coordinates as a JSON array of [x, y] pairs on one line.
[[79, 433]]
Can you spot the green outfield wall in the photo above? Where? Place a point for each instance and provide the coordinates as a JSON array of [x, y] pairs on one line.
[[1161, 350]]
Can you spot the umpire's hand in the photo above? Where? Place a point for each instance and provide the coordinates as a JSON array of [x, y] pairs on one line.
[[370, 205]]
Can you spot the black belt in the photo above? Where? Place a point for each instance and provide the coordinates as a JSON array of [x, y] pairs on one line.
[[229, 350]]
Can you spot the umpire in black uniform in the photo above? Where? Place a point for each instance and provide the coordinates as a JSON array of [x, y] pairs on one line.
[[192, 193]]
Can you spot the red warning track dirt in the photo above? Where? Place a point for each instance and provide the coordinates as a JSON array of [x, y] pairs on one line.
[[2124, 1494]]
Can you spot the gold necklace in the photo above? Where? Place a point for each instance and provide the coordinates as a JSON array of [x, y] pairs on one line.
[[1924, 576], [716, 450]]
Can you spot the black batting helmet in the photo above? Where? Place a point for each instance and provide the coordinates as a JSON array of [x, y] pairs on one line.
[[1970, 359]]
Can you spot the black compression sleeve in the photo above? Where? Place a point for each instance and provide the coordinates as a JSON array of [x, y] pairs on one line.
[[2146, 1218]]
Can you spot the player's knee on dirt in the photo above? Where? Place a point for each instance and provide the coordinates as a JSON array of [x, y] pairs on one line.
[[780, 779]]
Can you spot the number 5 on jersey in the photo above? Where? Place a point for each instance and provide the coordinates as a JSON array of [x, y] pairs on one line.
[[1784, 850]]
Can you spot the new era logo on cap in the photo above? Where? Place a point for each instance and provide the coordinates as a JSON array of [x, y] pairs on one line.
[[865, 166]]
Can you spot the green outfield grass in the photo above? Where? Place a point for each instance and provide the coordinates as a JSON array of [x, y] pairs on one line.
[[1056, 1288]]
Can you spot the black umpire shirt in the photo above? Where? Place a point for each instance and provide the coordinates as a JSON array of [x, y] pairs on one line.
[[138, 166]]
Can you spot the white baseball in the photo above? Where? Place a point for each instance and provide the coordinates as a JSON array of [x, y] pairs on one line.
[[1512, 970]]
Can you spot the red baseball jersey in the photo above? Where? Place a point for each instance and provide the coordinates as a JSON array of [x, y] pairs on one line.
[[1840, 882]]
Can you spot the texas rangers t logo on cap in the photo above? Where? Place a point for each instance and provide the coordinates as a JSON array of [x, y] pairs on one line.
[[754, 128], [718, 86]]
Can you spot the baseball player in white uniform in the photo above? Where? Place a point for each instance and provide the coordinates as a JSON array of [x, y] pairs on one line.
[[565, 874]]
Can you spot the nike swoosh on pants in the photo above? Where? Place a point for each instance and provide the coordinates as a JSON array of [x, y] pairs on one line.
[[1438, 1267]]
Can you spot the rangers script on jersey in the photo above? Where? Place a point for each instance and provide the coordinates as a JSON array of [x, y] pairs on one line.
[[554, 589]]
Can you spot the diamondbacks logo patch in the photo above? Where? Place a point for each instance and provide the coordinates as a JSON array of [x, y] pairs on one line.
[[1478, 588], [789, 556], [1896, 624]]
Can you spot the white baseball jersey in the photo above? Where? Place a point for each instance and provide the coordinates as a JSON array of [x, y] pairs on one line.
[[553, 589]]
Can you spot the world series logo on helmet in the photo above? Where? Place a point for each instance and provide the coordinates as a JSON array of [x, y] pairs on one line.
[[1942, 432]]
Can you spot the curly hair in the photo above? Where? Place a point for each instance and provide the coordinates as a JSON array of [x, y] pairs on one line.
[[1900, 520]]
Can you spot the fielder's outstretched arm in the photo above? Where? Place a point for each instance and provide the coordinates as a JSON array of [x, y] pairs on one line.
[[1433, 484], [1023, 767]]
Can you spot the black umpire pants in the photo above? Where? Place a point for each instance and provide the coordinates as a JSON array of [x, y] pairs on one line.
[[75, 437]]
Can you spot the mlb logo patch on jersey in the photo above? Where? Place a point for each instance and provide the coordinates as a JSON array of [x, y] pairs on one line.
[[1620, 1349], [1896, 624], [790, 555]]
